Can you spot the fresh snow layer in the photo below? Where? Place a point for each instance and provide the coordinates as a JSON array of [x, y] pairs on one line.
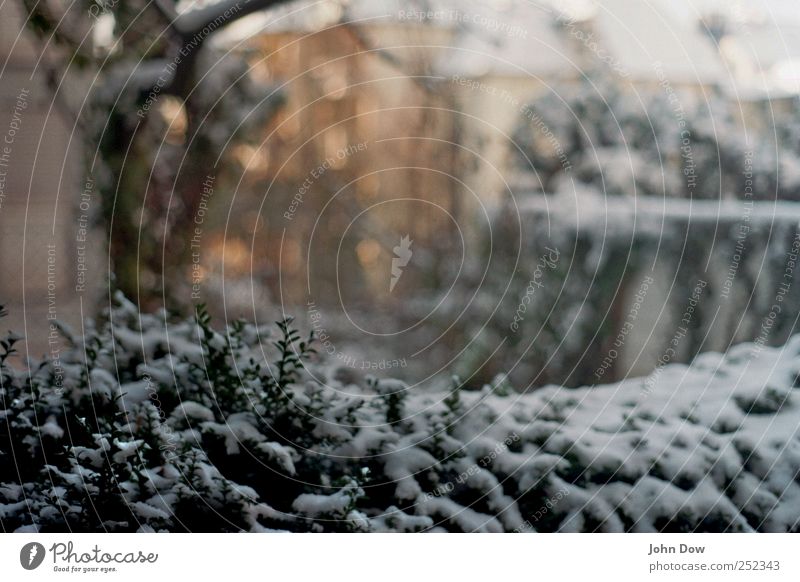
[[708, 447]]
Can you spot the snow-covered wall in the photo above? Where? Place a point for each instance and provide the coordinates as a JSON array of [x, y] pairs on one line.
[[644, 282]]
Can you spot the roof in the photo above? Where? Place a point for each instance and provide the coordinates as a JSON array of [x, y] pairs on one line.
[[641, 33], [509, 39], [504, 37], [766, 57]]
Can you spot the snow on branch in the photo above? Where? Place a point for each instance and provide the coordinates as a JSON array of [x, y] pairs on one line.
[[209, 18]]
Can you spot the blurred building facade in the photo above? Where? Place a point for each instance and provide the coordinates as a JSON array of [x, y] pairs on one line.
[[435, 91], [361, 154], [398, 122], [43, 242]]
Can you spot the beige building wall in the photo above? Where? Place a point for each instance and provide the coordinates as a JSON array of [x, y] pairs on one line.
[[40, 189]]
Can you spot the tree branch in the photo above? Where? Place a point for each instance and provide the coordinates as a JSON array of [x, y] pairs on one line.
[[192, 29], [166, 9], [193, 23]]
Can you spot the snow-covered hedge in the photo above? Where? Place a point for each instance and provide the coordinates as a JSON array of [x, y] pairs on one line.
[[145, 426]]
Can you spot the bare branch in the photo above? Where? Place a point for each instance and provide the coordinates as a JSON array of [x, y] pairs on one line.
[[167, 10], [194, 22], [195, 26]]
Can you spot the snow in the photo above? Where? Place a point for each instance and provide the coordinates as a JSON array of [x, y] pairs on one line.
[[136, 392], [517, 39], [193, 411], [126, 449], [50, 428], [682, 49], [321, 505], [468, 520], [619, 216], [713, 446], [280, 454], [145, 511], [401, 464], [760, 54], [238, 429]]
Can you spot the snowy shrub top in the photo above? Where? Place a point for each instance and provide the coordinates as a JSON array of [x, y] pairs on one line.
[[144, 426]]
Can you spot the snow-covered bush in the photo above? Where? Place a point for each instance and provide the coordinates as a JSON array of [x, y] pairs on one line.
[[148, 424], [662, 141]]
